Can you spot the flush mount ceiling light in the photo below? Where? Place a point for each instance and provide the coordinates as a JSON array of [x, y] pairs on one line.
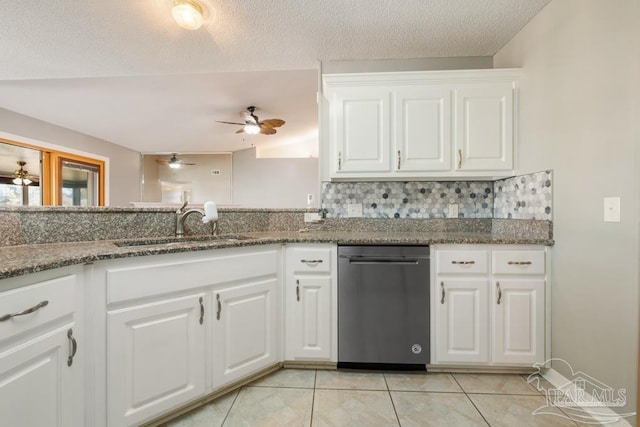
[[187, 13], [21, 175]]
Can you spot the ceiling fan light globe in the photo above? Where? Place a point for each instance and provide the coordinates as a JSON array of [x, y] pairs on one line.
[[252, 129], [26, 181], [17, 181], [187, 14], [174, 165]]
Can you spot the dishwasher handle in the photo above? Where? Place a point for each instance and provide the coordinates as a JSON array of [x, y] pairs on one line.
[[382, 260]]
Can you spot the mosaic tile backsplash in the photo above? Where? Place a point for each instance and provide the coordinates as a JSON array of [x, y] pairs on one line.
[[522, 197]]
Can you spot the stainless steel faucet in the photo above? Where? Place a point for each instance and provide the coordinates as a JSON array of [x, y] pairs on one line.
[[181, 215]]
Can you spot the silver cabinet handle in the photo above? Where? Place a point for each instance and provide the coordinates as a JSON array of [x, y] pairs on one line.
[[463, 262], [459, 158], [519, 263], [499, 292], [73, 347], [297, 290], [442, 288], [29, 310], [201, 311], [340, 160], [219, 307], [311, 261], [399, 157]]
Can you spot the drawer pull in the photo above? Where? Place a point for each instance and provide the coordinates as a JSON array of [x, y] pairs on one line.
[[30, 310], [442, 288], [297, 290], [201, 311], [219, 307], [312, 262], [73, 347], [499, 293], [519, 263], [463, 262]]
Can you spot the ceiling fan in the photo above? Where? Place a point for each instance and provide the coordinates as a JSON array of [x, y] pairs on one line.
[[174, 162], [252, 125]]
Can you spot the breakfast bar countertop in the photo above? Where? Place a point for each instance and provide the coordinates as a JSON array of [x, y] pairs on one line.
[[24, 259]]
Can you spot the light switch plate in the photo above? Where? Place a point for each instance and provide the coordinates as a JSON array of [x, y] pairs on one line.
[[612, 209], [354, 210], [452, 210]]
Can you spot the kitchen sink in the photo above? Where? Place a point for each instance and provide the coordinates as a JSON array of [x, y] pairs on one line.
[[175, 241]]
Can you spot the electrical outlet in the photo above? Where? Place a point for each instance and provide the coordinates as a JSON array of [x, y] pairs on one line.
[[215, 172], [312, 217], [354, 210], [452, 210], [612, 209]]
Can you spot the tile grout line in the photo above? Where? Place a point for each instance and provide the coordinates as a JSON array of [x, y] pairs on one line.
[[230, 407], [313, 397], [393, 405], [469, 399]]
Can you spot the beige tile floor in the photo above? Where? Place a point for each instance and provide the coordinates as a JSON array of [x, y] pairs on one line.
[[295, 397]]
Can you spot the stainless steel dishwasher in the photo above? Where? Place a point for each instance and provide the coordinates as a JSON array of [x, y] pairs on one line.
[[383, 307]]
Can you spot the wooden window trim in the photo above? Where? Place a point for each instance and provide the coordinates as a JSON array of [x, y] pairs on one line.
[[51, 179]]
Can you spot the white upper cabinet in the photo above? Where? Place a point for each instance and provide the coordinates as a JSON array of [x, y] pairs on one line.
[[423, 128], [360, 119], [484, 127], [431, 124]]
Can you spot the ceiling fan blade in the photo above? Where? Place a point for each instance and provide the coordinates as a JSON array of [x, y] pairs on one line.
[[273, 123], [267, 131], [231, 123], [246, 116], [162, 162], [241, 130], [187, 164]]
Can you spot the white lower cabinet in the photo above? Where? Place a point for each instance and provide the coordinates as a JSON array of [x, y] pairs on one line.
[[489, 313], [310, 302], [177, 327], [244, 330], [41, 350], [518, 322], [156, 357], [463, 321]]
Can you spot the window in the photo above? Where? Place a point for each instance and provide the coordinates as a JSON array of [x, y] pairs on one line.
[[56, 178]]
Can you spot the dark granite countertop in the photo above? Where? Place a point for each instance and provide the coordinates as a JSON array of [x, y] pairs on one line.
[[25, 259]]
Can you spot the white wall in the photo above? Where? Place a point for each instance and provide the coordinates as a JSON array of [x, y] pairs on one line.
[[124, 164], [273, 183], [579, 116], [196, 178]]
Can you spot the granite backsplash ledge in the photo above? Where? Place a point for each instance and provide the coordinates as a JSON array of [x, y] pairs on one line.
[[23, 226], [34, 225]]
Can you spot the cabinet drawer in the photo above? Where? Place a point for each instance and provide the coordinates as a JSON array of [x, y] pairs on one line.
[[41, 303], [462, 261], [519, 262], [309, 260]]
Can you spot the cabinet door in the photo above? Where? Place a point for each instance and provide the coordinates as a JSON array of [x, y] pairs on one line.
[[484, 127], [155, 358], [462, 317], [422, 129], [309, 318], [359, 120], [244, 330], [518, 321], [37, 387]]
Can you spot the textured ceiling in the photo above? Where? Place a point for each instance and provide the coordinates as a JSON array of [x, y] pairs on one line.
[[74, 40]]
